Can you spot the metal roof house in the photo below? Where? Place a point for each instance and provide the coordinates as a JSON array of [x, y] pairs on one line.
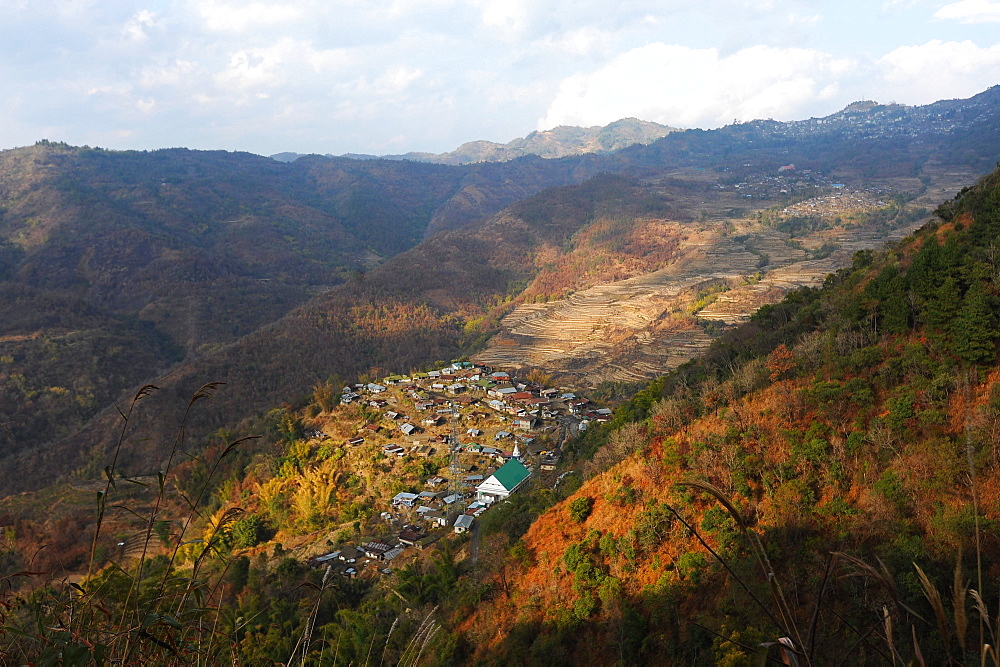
[[463, 523], [503, 482]]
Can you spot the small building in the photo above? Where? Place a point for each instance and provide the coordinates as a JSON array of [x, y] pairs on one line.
[[463, 523], [405, 499], [505, 481], [437, 518], [376, 548], [349, 554], [410, 535], [319, 561]]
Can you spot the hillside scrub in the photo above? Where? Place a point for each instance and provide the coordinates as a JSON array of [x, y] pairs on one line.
[[852, 428]]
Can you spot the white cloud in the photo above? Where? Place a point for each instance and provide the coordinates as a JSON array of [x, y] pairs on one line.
[[396, 79], [678, 85], [510, 17], [585, 41], [325, 61], [136, 27], [971, 11], [248, 68], [220, 17], [804, 20], [938, 70], [175, 74], [281, 64]]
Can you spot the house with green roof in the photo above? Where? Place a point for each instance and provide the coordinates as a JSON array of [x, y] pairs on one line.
[[505, 481]]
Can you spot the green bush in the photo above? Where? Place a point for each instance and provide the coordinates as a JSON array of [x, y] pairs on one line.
[[246, 532], [585, 606], [580, 509], [690, 565]]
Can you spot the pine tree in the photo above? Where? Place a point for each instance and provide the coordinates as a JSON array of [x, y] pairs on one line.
[[973, 330], [942, 307]]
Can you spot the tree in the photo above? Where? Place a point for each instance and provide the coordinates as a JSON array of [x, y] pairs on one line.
[[580, 508], [973, 330], [326, 396], [942, 306], [246, 531], [239, 573]]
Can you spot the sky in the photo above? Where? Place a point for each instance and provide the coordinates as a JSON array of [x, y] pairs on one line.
[[391, 76]]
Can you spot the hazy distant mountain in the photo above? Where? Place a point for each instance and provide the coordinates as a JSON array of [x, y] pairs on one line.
[[557, 142]]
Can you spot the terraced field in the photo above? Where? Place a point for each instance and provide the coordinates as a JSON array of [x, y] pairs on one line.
[[639, 328]]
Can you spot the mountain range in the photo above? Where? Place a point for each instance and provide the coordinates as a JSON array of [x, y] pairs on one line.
[[181, 267], [558, 142]]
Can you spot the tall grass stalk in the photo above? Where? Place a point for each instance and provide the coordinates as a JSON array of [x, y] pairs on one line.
[[787, 622]]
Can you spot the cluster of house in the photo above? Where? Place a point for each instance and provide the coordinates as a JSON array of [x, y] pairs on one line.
[[439, 396], [350, 560], [436, 510]]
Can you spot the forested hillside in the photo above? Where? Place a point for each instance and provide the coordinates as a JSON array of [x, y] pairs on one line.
[[827, 473], [115, 266], [434, 302]]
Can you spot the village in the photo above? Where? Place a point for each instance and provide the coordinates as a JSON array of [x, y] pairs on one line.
[[484, 433]]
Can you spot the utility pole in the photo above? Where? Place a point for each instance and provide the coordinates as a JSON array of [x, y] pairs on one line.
[[453, 468]]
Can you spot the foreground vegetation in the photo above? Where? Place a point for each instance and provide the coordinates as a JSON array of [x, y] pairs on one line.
[[827, 474]]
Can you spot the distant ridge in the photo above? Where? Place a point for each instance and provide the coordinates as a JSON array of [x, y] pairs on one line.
[[863, 118], [555, 143]]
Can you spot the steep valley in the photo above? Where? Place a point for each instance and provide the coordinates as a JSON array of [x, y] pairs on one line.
[[182, 267]]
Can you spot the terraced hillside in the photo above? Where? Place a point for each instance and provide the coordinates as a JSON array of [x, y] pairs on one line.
[[638, 328]]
